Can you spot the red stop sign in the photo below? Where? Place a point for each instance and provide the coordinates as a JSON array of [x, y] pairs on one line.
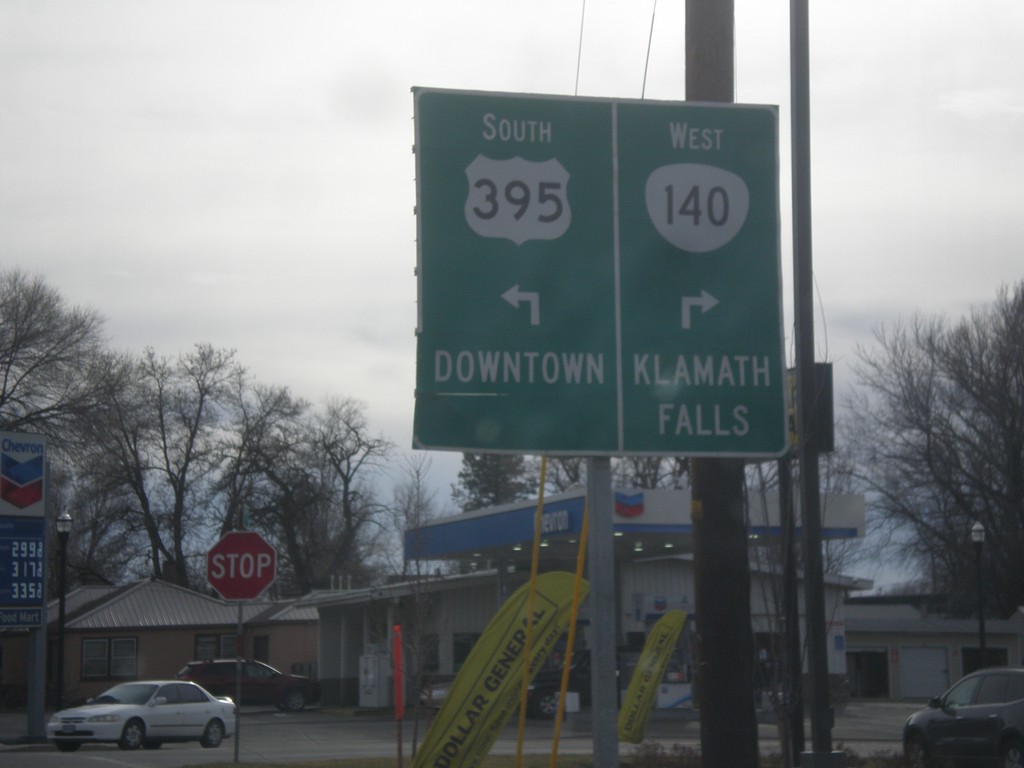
[[241, 565]]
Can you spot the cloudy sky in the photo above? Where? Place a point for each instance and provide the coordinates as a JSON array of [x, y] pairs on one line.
[[240, 171]]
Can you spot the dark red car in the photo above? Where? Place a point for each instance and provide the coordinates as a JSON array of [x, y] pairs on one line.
[[261, 683]]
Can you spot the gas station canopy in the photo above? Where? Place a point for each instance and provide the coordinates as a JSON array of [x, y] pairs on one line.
[[648, 522]]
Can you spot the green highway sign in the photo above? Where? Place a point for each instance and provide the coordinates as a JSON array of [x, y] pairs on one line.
[[597, 276]]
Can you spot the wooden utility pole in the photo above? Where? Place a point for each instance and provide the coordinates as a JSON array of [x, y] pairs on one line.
[[725, 652], [725, 676]]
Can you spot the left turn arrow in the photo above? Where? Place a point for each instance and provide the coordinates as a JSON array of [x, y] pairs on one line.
[[514, 296]]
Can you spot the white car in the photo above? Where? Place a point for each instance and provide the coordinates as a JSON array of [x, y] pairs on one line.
[[145, 714]]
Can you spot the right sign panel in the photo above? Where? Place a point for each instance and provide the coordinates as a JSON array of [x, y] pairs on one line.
[[700, 285]]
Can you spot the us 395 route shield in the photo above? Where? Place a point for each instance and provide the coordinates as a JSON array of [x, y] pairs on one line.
[[597, 276]]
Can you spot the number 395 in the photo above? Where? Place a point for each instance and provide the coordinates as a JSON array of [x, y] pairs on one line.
[[519, 195]]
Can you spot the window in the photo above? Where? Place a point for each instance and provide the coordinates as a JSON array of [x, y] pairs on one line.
[[94, 658], [109, 657], [169, 692], [962, 693], [1015, 688], [257, 671], [214, 647], [992, 690], [462, 644], [189, 694], [122, 657], [229, 645]]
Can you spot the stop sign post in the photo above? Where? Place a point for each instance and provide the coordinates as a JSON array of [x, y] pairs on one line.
[[241, 565]]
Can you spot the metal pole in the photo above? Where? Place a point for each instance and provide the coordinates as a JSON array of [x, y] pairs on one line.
[[239, 652], [792, 665], [810, 495], [36, 694], [61, 617], [601, 571], [981, 606]]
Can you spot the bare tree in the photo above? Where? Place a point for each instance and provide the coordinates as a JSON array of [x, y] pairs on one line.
[[107, 546], [343, 438], [941, 443], [306, 479], [653, 472], [413, 506], [102, 548], [300, 510], [51, 357], [264, 427], [158, 455], [156, 439], [563, 472]]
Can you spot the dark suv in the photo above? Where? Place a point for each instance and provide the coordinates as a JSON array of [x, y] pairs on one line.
[[261, 683], [979, 721]]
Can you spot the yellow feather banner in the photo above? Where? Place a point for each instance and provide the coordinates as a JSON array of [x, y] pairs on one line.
[[650, 669], [487, 689]]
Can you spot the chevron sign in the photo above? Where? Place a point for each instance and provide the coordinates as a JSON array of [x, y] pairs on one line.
[[22, 468]]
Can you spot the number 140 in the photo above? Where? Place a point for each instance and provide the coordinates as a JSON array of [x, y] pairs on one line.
[[695, 205]]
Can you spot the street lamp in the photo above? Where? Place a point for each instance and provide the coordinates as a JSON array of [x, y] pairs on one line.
[[978, 539], [63, 531]]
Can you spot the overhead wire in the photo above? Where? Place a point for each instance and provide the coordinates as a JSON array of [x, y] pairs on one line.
[[579, 49], [647, 59]]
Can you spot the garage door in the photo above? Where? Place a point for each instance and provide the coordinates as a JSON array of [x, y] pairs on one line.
[[924, 671]]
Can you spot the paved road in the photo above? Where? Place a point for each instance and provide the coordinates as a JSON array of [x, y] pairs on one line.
[[270, 736]]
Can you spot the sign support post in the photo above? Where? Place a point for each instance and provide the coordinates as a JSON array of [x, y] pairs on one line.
[[239, 652], [601, 572], [241, 566]]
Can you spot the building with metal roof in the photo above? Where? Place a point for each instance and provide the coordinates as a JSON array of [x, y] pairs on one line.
[[902, 651], [150, 629]]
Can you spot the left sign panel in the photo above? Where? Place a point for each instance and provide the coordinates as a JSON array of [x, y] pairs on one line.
[[516, 273]]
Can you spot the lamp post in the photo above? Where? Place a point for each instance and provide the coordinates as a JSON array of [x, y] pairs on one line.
[[978, 539], [63, 531]]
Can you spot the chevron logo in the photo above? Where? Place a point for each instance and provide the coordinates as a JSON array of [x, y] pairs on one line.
[[21, 480], [629, 506]]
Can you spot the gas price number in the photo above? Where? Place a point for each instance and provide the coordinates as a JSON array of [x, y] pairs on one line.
[[22, 555], [26, 570]]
